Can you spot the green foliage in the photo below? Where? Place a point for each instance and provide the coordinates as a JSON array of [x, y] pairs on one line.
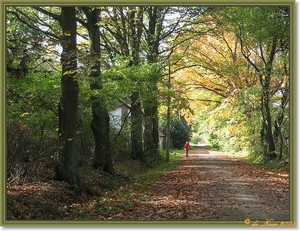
[[32, 119], [229, 122], [195, 139], [120, 143], [214, 142], [32, 106], [28, 48], [235, 125], [120, 81], [180, 131]]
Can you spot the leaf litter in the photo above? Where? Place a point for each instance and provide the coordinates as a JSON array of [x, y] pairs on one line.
[[203, 187]]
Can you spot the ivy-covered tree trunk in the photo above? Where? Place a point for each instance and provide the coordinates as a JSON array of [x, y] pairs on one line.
[[100, 121], [68, 106]]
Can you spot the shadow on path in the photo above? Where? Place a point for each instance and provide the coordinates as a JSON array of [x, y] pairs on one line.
[[214, 187]]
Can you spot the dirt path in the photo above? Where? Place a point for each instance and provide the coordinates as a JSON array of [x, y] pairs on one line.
[[215, 187]]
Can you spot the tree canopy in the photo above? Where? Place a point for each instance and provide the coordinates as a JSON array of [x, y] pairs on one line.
[[68, 68]]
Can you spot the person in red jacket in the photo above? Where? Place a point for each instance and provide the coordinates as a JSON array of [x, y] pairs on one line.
[[187, 148]]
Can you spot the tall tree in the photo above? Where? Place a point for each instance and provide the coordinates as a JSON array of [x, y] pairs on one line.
[[163, 27], [121, 35], [242, 56], [51, 17], [57, 25], [100, 122], [68, 106], [135, 32], [261, 52], [153, 29]]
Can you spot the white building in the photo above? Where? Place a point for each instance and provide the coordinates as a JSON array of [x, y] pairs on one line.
[[119, 114]]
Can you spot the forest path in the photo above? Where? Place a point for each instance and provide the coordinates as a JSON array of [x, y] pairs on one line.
[[211, 186]]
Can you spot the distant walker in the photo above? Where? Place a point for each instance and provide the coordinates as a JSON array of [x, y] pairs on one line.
[[187, 148]]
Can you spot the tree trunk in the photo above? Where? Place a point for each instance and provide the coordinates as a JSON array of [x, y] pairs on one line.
[[136, 128], [100, 121], [68, 106], [148, 132], [266, 114], [151, 137], [100, 127], [135, 25], [279, 121]]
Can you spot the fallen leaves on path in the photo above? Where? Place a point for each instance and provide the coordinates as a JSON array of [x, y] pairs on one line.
[[214, 187], [203, 187]]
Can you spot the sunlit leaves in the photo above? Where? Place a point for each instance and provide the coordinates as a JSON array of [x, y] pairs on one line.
[[120, 81], [222, 80]]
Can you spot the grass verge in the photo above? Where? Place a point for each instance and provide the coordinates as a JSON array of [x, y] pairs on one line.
[[258, 161], [126, 196]]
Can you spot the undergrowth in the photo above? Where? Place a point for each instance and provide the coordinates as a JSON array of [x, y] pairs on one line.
[[98, 196], [260, 162]]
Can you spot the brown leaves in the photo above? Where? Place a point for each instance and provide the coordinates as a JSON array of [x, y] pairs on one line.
[[213, 187], [202, 187]]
